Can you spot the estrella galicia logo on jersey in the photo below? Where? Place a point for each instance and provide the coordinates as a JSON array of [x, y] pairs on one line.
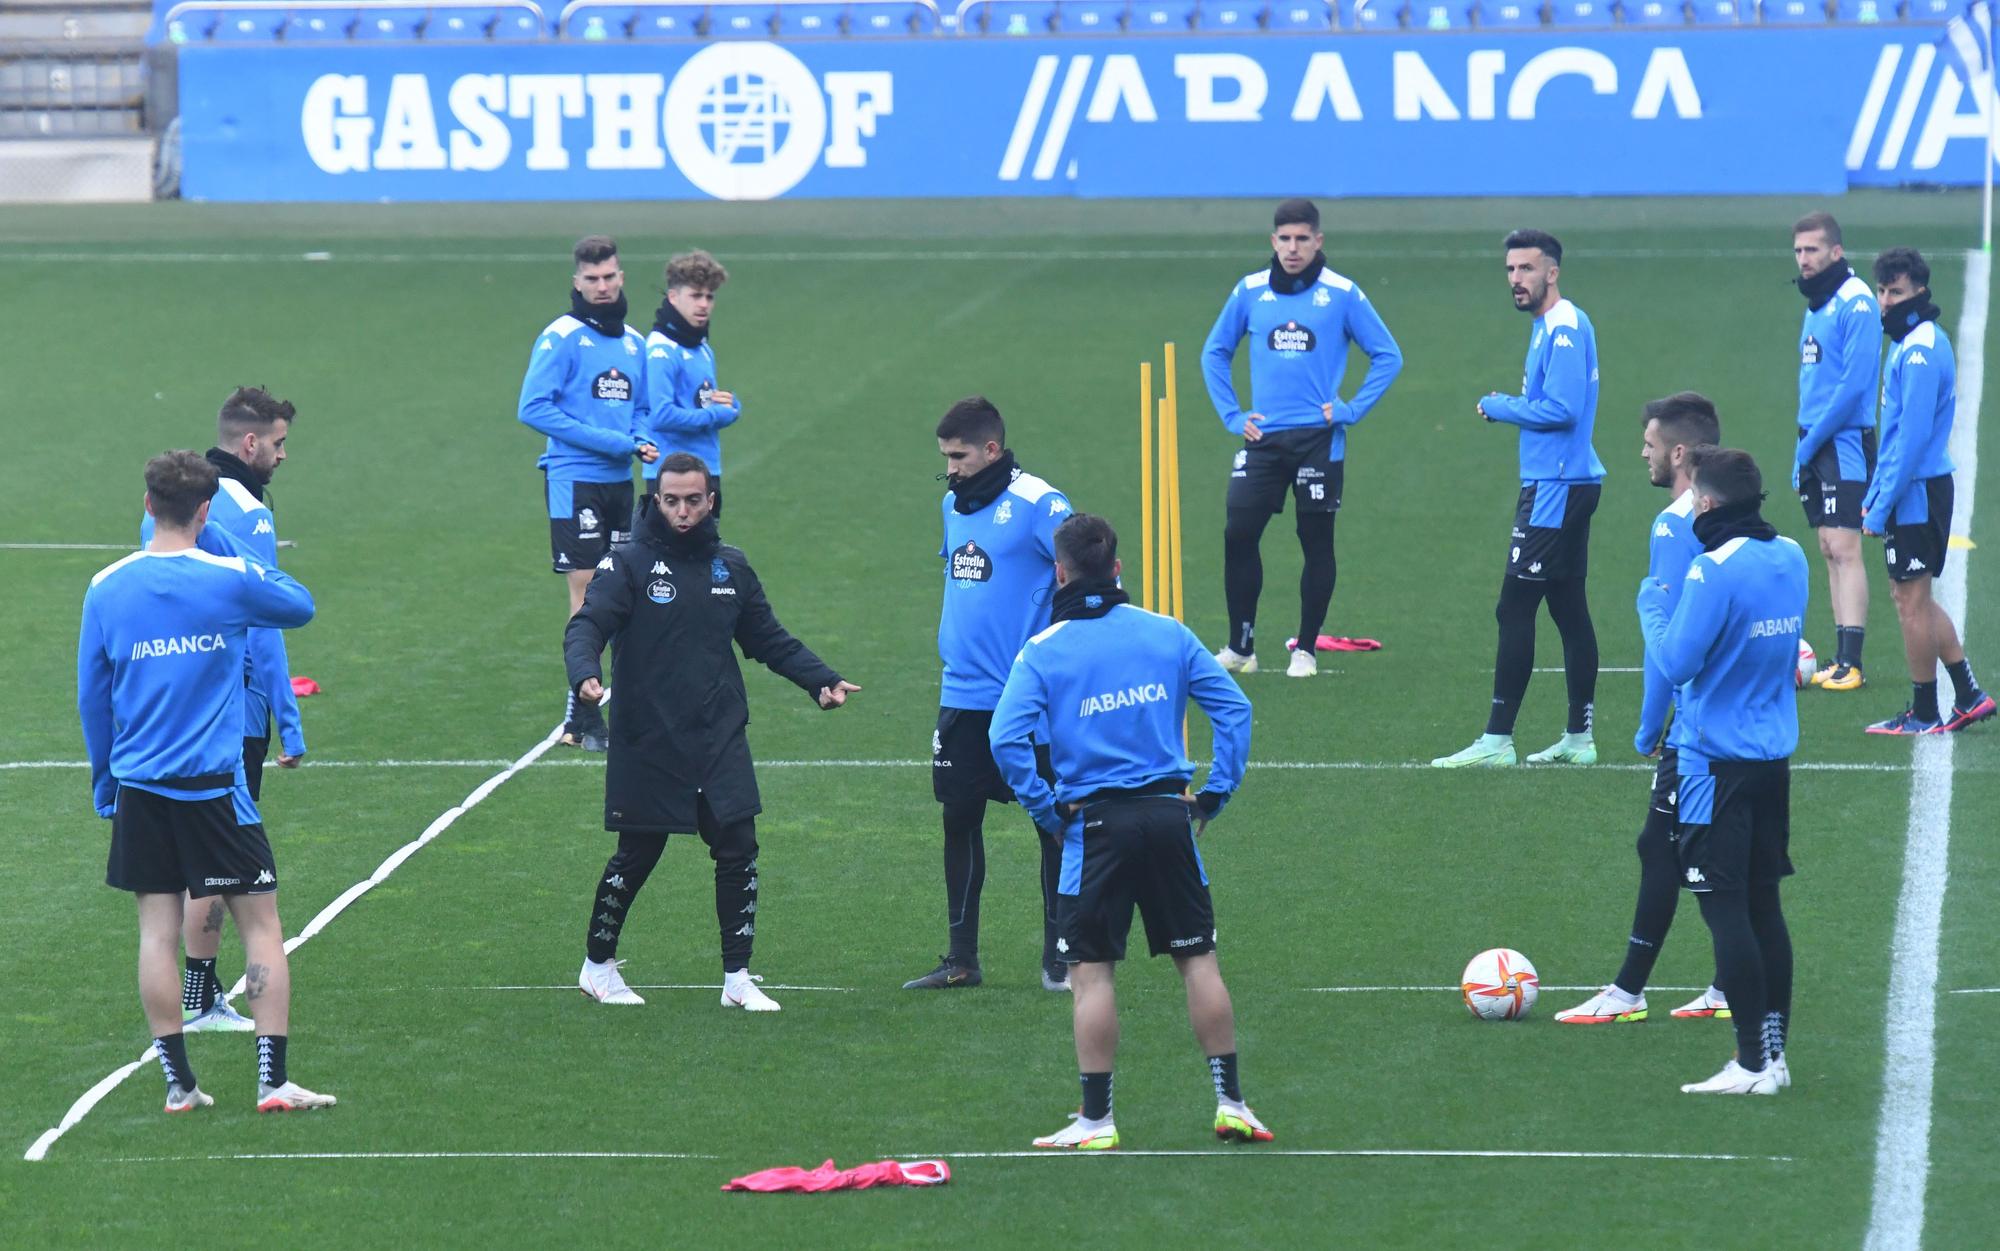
[[1292, 337], [661, 591], [613, 386], [970, 563], [717, 571], [1809, 351]]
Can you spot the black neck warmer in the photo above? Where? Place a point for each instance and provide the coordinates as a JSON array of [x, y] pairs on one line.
[[1819, 288], [669, 322], [229, 465], [697, 544], [1084, 598], [1900, 319], [1291, 284], [605, 319], [1724, 522], [976, 492]]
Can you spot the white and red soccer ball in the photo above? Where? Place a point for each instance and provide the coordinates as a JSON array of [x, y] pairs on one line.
[[1500, 985], [1808, 662]]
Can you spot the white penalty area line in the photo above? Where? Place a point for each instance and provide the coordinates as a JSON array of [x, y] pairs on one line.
[[110, 1082], [410, 1155], [1903, 1135], [1262, 1153]]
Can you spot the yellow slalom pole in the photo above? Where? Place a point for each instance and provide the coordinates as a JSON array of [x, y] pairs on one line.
[[1174, 478], [1168, 561], [1146, 482]]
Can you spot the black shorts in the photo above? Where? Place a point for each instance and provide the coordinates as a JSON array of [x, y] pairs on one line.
[[1667, 782], [1551, 538], [255, 751], [583, 517], [653, 487], [962, 765], [162, 846], [1297, 459], [1735, 826], [1127, 853], [1916, 549], [1829, 497]]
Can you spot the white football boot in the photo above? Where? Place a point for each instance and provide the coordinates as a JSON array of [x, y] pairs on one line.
[[290, 1097], [1578, 749], [1082, 1135], [1304, 665], [1610, 1006], [1734, 1079], [185, 1099], [740, 990], [604, 983], [1488, 751], [1710, 1002], [219, 1019], [1233, 662]]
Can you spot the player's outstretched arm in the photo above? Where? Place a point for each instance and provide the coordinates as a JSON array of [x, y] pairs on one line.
[[607, 605], [1023, 705], [1218, 356], [765, 640], [93, 707]]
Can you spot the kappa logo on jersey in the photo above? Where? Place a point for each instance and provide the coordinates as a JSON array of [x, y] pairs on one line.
[[970, 563], [1694, 573], [1914, 358], [1809, 351], [659, 567], [1292, 337], [264, 526], [1267, 297], [1003, 514], [263, 878], [180, 645], [605, 563], [1915, 566], [586, 523], [1322, 297], [660, 591], [717, 570], [1694, 875], [1663, 531], [613, 386], [1563, 340], [1058, 506]]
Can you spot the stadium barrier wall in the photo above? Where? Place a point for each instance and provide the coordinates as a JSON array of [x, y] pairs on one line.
[[1755, 111]]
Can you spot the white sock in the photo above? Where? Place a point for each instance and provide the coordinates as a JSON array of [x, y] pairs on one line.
[[1495, 740], [1618, 992]]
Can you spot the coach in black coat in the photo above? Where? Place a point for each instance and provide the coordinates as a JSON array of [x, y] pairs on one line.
[[674, 603]]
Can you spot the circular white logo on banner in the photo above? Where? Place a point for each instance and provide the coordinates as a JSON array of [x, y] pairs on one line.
[[744, 121]]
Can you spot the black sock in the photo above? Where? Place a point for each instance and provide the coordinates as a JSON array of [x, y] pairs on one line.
[[1316, 580], [271, 1060], [1774, 942], [1096, 1096], [964, 878], [1923, 700], [1659, 896], [1569, 605], [173, 1053], [733, 847], [1740, 964], [1222, 1071], [1051, 882], [1847, 645], [1514, 660], [198, 985], [1962, 682], [624, 874], [1243, 575]]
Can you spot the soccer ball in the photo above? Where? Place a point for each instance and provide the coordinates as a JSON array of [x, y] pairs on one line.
[[1499, 985], [1808, 662]]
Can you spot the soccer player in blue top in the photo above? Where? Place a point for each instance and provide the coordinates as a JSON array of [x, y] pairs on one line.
[[160, 694], [252, 431], [1909, 502], [999, 572], [1840, 353], [1300, 318], [1561, 479], [1731, 646], [1111, 684], [686, 411], [1673, 428], [585, 390]]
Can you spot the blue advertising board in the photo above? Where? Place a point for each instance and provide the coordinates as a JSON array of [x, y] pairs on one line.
[[1745, 111]]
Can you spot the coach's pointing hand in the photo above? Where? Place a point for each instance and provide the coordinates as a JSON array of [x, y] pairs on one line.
[[836, 695]]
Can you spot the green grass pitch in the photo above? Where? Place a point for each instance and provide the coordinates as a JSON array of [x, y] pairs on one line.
[[413, 500]]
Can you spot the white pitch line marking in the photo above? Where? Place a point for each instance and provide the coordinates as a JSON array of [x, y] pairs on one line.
[[1612, 669], [1257, 1153], [597, 762], [90, 1098], [410, 1155], [1360, 990], [836, 990], [1903, 1137], [1979, 990]]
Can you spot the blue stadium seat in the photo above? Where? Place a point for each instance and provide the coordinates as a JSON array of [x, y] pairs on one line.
[[1865, 12], [1376, 15], [1090, 17], [458, 24], [390, 23], [1716, 12], [1438, 15], [741, 21], [1580, 12], [1161, 15], [1510, 14], [598, 23], [1016, 17], [1933, 10], [810, 21], [516, 24], [248, 26], [668, 21], [318, 25], [1297, 14], [890, 19], [1654, 13], [1229, 15], [1793, 12]]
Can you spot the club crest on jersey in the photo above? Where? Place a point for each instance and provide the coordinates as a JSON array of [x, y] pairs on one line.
[[661, 591], [613, 386], [1321, 297], [970, 563], [1292, 337], [1809, 351], [717, 571], [1003, 514], [704, 392]]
